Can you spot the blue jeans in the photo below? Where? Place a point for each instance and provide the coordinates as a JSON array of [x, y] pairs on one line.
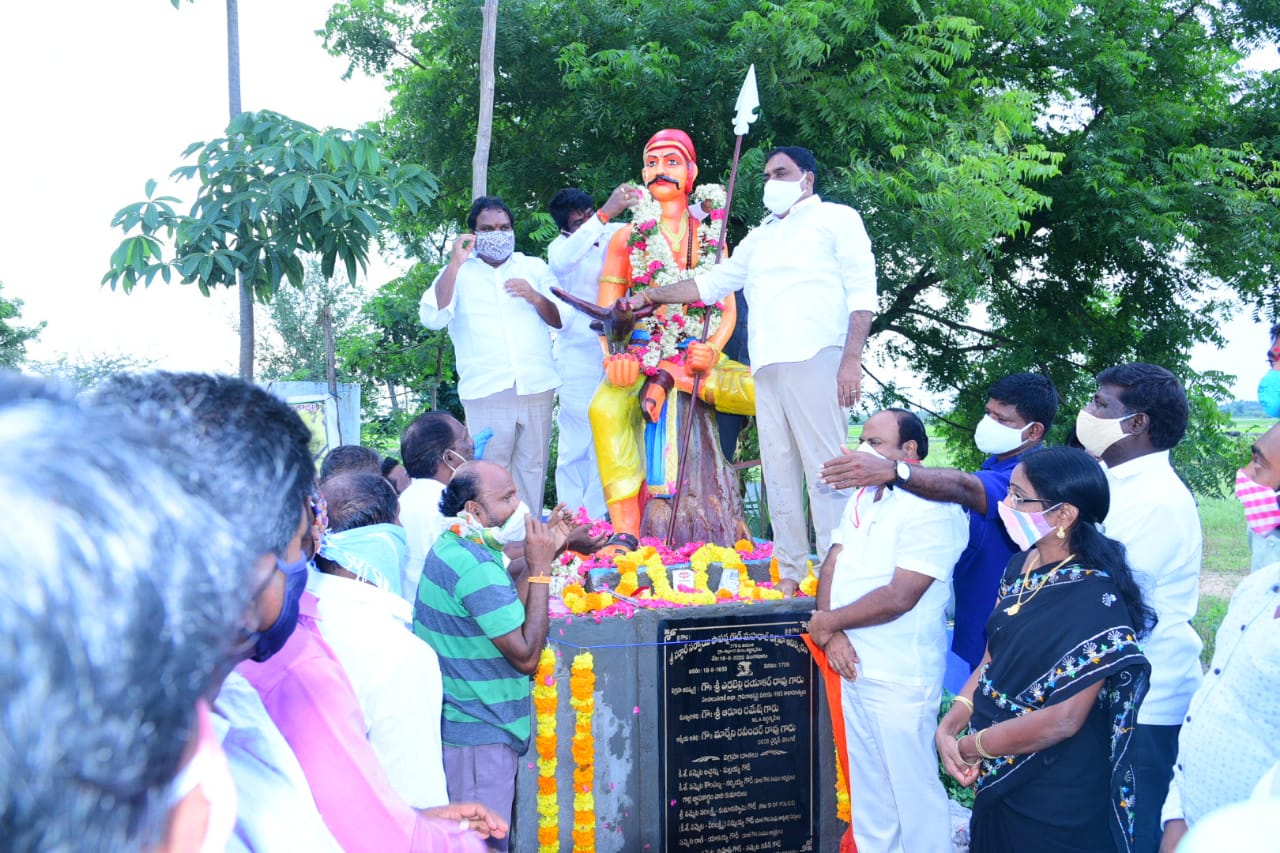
[[1154, 750]]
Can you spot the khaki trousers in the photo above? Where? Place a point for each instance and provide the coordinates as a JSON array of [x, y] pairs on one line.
[[801, 426], [521, 442]]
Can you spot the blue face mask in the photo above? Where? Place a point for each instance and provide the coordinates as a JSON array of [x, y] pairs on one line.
[[267, 643]]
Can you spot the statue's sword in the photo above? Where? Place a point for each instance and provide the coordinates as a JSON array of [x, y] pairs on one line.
[[746, 105]]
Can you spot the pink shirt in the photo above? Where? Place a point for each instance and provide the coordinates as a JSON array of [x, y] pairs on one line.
[[310, 699]]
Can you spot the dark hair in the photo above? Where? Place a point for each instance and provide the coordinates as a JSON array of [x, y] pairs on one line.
[[350, 457], [1275, 330], [359, 499], [802, 157], [1032, 396], [1155, 391], [424, 442], [568, 201], [118, 615], [245, 450], [463, 486], [389, 464], [487, 202], [1072, 476], [911, 428]]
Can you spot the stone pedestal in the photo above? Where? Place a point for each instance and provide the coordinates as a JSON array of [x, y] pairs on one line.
[[711, 733]]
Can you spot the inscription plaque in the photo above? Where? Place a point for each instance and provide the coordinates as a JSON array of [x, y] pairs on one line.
[[737, 758]]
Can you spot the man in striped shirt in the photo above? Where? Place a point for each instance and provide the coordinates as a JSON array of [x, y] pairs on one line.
[[488, 643]]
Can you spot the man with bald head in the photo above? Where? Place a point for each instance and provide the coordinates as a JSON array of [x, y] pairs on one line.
[[488, 643], [881, 618]]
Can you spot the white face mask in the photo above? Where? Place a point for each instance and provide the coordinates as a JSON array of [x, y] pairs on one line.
[[512, 530], [779, 195], [996, 438], [865, 447], [1098, 434], [495, 245]]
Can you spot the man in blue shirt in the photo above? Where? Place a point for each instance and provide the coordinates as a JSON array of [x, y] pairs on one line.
[[1019, 413]]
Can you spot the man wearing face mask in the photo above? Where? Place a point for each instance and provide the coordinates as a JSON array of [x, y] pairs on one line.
[[395, 675], [809, 275], [433, 446], [291, 726], [468, 610], [881, 619], [576, 257], [1256, 486], [1137, 415], [498, 306], [1019, 414]]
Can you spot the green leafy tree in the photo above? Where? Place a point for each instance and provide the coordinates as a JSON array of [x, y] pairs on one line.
[[14, 338], [271, 190], [403, 368], [294, 347], [1048, 186]]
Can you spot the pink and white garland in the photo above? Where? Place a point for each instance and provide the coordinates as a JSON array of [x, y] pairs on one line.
[[653, 264]]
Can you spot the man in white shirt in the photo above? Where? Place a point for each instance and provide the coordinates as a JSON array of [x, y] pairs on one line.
[[498, 306], [1231, 735], [433, 446], [576, 257], [395, 676], [809, 276], [881, 619], [1137, 415]]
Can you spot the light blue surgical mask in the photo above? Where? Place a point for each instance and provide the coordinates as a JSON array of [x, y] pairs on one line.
[[374, 553]]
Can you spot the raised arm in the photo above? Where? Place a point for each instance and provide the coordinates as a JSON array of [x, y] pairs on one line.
[[523, 646], [945, 485]]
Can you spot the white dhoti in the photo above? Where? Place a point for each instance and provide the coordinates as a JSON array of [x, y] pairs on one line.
[[899, 805], [577, 473]]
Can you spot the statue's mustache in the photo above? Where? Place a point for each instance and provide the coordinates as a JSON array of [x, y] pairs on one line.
[[664, 178]]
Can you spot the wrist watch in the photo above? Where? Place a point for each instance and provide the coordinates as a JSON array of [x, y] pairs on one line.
[[901, 473]]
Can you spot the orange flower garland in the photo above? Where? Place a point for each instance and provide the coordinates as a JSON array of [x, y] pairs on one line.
[[545, 699], [844, 809], [582, 685]]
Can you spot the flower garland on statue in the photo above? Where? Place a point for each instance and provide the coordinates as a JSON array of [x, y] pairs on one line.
[[653, 265], [545, 699], [582, 685]]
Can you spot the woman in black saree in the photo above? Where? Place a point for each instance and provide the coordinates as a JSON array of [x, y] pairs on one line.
[[1042, 727]]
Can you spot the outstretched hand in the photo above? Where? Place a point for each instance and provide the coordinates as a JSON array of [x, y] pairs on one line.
[[852, 469], [482, 821]]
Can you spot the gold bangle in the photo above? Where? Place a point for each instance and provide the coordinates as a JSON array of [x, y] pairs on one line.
[[539, 578], [977, 744], [965, 701]]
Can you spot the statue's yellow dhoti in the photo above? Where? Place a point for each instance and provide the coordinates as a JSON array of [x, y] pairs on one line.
[[630, 449]]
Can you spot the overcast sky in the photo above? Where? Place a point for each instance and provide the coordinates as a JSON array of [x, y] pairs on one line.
[[100, 95]]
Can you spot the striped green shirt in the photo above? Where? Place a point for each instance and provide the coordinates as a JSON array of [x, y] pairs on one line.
[[466, 599]]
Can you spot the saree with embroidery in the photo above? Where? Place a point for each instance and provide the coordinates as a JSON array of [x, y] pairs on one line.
[[1053, 634]]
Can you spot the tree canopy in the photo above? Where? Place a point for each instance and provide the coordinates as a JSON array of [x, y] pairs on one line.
[[14, 338], [1053, 186], [269, 191]]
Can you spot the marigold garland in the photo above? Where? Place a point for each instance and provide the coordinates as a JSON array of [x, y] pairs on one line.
[[546, 697], [582, 685], [844, 808]]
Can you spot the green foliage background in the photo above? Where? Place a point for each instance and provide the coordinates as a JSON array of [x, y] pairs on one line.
[[1048, 186]]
